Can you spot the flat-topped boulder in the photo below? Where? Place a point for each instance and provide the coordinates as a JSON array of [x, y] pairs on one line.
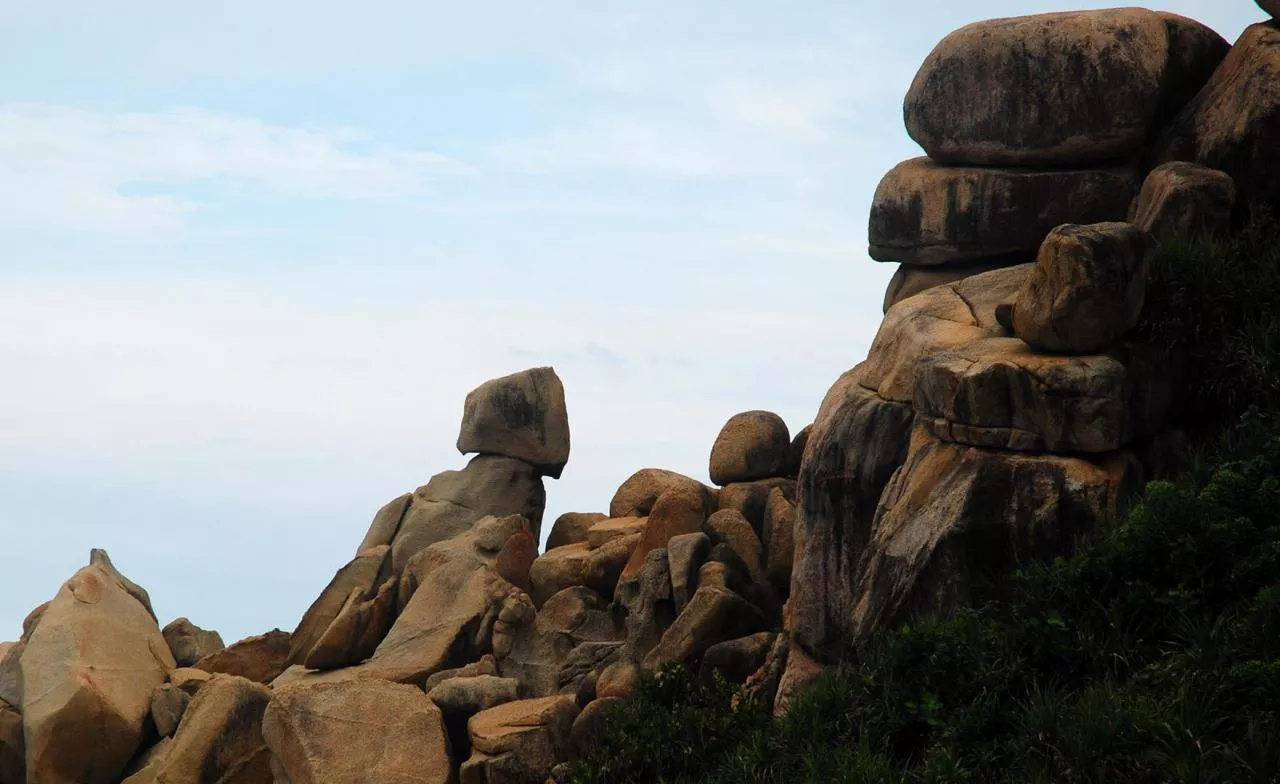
[[927, 214], [523, 416], [1057, 89], [519, 741]]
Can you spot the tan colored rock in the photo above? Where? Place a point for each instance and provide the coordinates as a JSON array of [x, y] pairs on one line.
[[779, 541], [607, 530], [1056, 89], [88, 672], [358, 627], [259, 658], [504, 544], [618, 680], [730, 527], [399, 736], [453, 501], [558, 569], [522, 416], [954, 516], [362, 575], [1231, 124], [189, 679], [685, 555], [32, 620], [11, 672], [1180, 198], [386, 524], [637, 496], [798, 444], [519, 741], [927, 214], [146, 766], [573, 627], [910, 280], [572, 527], [604, 566], [485, 665], [680, 510], [999, 392], [189, 643], [713, 615], [751, 445], [13, 765], [98, 557], [220, 737], [168, 703], [1086, 289], [647, 601], [752, 498], [466, 697]]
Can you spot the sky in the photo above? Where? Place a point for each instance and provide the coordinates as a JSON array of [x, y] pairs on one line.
[[254, 255]]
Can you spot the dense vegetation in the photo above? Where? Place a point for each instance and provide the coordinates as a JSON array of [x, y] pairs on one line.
[[1153, 655]]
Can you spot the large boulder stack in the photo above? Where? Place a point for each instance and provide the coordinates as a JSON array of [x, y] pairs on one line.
[[1029, 123]]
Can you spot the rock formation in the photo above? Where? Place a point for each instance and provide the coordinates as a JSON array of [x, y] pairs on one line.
[[1004, 408]]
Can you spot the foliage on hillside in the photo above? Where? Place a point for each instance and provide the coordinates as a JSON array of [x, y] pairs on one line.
[[1151, 656]]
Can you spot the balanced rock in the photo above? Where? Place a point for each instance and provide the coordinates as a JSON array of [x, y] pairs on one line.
[[519, 741], [927, 214], [259, 658], [88, 673], [1232, 123], [522, 416], [572, 527], [1184, 198], [189, 643], [1056, 89], [220, 737], [345, 733], [1086, 289], [751, 445]]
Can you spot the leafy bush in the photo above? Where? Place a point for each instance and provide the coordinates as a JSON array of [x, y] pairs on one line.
[[1153, 655]]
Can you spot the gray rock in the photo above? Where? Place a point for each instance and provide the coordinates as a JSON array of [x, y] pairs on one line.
[[685, 555], [522, 416], [571, 528]]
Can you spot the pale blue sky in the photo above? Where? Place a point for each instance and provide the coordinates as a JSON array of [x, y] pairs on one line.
[[255, 254]]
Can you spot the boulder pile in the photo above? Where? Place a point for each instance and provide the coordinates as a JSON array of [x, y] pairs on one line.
[[1007, 404]]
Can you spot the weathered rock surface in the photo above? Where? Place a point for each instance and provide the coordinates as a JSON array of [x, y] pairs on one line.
[[779, 541], [13, 766], [607, 530], [557, 569], [927, 214], [737, 659], [348, 733], [954, 519], [1056, 89], [589, 721], [99, 557], [685, 555], [146, 766], [453, 501], [730, 527], [168, 703], [618, 680], [1184, 198], [259, 658], [713, 615], [1085, 290], [521, 416], [680, 510], [648, 603], [220, 737], [637, 496], [361, 575], [1232, 123], [572, 527], [999, 392], [88, 673], [519, 741], [752, 498], [386, 523], [189, 679], [910, 280], [11, 672], [469, 696], [751, 445], [189, 643]]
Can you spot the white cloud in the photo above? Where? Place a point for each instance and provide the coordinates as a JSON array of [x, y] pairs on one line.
[[69, 168]]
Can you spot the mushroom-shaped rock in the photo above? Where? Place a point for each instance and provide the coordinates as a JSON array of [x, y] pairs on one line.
[[1086, 289], [1185, 198], [637, 496], [344, 733], [522, 416], [572, 527], [519, 741], [88, 673], [751, 445], [927, 214], [1056, 89], [220, 737], [259, 658], [1232, 123], [189, 643]]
